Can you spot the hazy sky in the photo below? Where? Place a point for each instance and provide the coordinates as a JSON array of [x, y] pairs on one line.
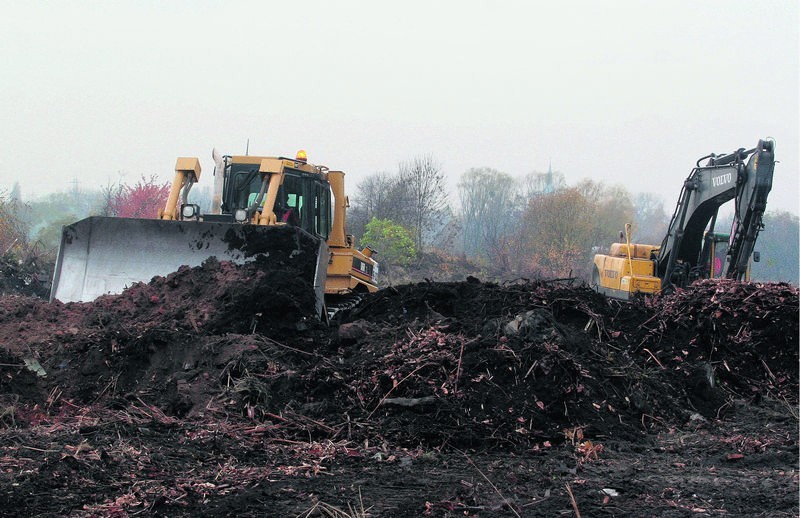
[[625, 92]]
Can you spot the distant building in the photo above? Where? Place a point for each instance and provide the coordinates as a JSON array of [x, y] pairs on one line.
[[549, 187]]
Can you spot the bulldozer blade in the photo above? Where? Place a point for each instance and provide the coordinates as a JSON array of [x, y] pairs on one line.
[[104, 255]]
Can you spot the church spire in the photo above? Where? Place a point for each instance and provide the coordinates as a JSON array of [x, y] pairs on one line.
[[548, 184]]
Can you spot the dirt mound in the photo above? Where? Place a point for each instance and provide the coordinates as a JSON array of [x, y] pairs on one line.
[[499, 366], [747, 331], [520, 363], [144, 340], [227, 359]]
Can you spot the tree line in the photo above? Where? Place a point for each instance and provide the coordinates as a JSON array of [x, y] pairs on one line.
[[37, 223], [534, 226]]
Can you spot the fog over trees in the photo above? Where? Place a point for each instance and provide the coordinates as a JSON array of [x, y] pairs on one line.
[[538, 225], [530, 226]]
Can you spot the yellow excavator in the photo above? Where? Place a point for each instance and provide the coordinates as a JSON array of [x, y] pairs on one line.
[[692, 249], [252, 197]]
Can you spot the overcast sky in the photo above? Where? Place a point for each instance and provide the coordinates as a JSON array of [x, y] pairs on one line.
[[624, 92]]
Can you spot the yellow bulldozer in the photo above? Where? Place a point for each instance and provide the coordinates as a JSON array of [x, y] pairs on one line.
[[253, 196], [692, 249]]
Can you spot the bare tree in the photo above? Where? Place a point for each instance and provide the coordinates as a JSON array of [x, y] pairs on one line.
[[535, 183], [423, 182], [382, 196], [651, 220], [489, 212], [612, 207], [13, 231], [375, 194], [473, 201], [561, 230], [557, 230], [110, 192]]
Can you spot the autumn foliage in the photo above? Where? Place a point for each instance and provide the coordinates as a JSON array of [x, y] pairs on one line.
[[142, 200]]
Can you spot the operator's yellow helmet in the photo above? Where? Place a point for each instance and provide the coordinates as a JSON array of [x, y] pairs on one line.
[[301, 156]]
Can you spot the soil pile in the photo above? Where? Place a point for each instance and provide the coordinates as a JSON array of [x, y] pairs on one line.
[[533, 379], [513, 365], [748, 332]]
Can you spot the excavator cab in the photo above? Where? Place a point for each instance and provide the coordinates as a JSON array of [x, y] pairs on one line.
[[714, 254], [715, 257]]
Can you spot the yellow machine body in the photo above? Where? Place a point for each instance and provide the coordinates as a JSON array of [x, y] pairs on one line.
[[620, 274], [98, 255], [349, 269]]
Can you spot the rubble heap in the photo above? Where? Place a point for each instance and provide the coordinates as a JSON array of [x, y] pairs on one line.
[[233, 353]]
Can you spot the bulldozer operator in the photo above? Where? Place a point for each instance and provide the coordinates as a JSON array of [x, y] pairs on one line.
[[287, 212]]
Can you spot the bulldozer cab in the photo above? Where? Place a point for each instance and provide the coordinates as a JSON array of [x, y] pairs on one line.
[[303, 199], [305, 202]]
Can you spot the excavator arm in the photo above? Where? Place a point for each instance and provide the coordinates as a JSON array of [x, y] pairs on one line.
[[707, 188], [751, 202]]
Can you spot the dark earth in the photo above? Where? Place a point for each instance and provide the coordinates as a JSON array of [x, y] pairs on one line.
[[217, 392]]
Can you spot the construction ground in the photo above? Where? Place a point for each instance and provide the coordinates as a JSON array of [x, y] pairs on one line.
[[215, 391]]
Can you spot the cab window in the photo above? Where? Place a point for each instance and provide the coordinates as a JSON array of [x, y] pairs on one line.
[[309, 198], [245, 181]]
